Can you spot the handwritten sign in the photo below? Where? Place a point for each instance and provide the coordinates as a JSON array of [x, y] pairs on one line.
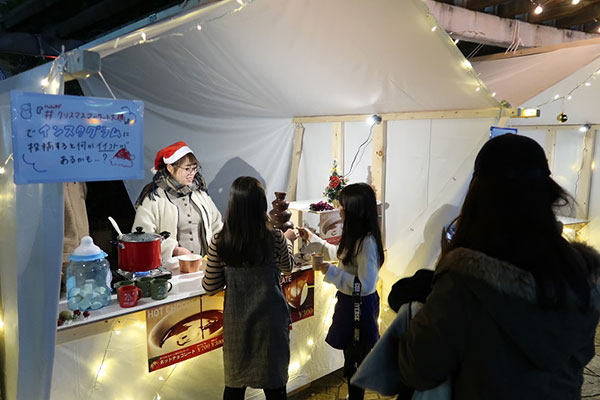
[[75, 138]]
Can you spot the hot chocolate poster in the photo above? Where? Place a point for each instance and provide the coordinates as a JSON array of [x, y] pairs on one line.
[[299, 291], [182, 330]]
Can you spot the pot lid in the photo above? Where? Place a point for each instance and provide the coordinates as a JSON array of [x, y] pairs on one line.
[[139, 236], [87, 251]]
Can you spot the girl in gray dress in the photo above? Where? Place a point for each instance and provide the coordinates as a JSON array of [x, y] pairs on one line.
[[247, 257]]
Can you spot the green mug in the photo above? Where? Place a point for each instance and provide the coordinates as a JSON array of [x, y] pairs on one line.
[[144, 284], [159, 288], [122, 283]]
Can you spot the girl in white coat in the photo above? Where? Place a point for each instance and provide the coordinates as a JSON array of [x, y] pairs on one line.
[[176, 201]]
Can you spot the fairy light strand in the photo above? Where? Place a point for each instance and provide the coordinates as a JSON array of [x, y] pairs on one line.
[[569, 96], [3, 167]]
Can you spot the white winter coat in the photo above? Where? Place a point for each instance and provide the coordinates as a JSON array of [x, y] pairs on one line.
[[160, 214]]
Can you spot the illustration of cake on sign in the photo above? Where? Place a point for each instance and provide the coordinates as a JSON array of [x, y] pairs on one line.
[[123, 158]]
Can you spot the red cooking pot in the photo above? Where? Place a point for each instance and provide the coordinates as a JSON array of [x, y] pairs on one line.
[[140, 251]]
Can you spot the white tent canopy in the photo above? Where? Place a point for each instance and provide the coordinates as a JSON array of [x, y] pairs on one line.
[[231, 88], [534, 78]]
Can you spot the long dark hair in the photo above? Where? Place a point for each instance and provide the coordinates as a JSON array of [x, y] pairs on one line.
[[508, 213], [246, 238], [360, 210]]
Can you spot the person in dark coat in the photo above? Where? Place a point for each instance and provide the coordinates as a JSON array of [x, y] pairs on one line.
[[514, 307]]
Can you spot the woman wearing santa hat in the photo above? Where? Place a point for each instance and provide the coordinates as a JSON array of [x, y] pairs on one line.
[[176, 201]]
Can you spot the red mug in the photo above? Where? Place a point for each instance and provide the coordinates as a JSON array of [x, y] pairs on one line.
[[129, 295]]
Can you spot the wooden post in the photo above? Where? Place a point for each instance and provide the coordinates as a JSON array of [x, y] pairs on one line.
[[337, 144], [550, 146], [378, 167], [293, 184], [585, 177]]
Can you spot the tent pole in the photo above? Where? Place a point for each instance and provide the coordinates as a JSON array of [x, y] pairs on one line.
[[582, 195], [378, 170], [491, 112], [337, 144], [550, 146], [293, 181]]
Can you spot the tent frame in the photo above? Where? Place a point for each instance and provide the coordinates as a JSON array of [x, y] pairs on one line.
[[379, 144]]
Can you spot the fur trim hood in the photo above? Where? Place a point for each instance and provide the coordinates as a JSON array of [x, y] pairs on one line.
[[508, 295], [505, 277]]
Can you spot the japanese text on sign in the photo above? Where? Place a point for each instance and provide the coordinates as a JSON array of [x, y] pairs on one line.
[[75, 138]]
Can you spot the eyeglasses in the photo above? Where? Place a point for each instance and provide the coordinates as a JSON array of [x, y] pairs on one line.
[[190, 170]]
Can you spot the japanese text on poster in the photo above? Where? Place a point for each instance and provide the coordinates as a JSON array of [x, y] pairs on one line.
[[75, 138], [183, 330]]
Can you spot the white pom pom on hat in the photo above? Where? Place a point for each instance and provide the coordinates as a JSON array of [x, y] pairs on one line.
[[170, 155]]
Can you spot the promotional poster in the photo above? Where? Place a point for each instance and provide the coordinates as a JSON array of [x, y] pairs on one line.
[[184, 329], [299, 291]]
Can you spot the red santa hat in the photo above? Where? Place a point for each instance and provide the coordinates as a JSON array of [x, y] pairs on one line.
[[170, 154]]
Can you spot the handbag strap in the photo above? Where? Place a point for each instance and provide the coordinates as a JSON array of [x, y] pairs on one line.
[[356, 308]]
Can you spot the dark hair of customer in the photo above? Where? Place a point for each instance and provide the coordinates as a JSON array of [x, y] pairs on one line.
[[508, 213], [360, 211], [246, 239]]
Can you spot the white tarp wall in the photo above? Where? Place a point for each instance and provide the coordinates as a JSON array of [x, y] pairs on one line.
[[564, 80], [429, 165], [228, 80], [31, 217]]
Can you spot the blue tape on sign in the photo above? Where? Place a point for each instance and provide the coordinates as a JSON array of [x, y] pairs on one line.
[[498, 131], [75, 138]]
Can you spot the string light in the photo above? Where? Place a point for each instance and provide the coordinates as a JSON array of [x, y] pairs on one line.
[[1, 324], [199, 27], [44, 82], [575, 2], [538, 10], [456, 41], [467, 64], [494, 94], [3, 168], [584, 128], [588, 84], [434, 28], [143, 34], [478, 88]]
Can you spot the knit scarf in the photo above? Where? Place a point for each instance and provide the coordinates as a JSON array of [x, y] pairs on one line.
[[164, 180]]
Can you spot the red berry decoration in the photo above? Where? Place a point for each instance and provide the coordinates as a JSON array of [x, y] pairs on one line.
[[76, 312], [86, 314], [59, 322]]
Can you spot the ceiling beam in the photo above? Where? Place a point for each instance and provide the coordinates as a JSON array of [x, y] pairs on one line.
[[23, 11], [555, 13], [34, 45], [480, 4], [585, 14], [515, 8], [478, 27], [89, 17]]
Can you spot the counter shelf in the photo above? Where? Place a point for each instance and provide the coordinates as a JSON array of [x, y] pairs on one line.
[[184, 286]]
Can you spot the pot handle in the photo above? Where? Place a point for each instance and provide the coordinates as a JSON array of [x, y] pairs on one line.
[[165, 234], [118, 244]]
